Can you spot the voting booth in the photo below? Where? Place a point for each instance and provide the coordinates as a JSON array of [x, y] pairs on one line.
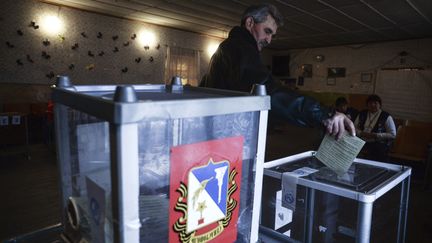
[[368, 203], [160, 163]]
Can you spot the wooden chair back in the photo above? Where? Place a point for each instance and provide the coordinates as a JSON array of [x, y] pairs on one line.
[[412, 141]]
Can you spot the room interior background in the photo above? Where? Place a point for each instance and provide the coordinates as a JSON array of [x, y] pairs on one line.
[[92, 48], [399, 71]]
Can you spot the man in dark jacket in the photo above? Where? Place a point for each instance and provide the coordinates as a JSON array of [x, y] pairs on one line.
[[237, 65]]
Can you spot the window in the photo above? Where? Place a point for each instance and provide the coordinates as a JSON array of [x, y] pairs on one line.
[[336, 72], [182, 62]]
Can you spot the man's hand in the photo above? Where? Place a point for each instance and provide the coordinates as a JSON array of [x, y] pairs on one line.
[[337, 125]]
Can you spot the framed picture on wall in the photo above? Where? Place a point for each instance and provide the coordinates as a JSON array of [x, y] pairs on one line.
[[16, 120], [366, 77], [307, 70], [288, 81], [336, 72], [4, 120], [331, 81]]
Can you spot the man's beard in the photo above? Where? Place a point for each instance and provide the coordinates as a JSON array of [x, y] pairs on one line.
[[263, 43]]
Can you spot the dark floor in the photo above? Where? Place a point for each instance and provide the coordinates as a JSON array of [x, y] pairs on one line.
[[30, 190]]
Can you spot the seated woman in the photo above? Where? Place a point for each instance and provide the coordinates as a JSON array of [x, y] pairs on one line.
[[377, 128], [341, 105]]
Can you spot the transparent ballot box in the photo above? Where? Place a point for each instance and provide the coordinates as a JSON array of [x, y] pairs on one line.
[[160, 163], [305, 201]]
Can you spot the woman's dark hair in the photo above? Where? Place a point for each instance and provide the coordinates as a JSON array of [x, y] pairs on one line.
[[341, 101], [260, 12], [373, 98]]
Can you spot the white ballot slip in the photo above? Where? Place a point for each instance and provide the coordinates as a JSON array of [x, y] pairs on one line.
[[339, 155]]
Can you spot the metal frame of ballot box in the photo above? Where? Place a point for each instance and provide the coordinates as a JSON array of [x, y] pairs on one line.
[[365, 199], [124, 107]]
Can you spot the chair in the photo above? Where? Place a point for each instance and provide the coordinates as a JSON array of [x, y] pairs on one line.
[[414, 123], [399, 122], [412, 145]]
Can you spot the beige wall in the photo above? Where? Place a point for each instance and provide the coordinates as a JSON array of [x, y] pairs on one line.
[[357, 59], [405, 94]]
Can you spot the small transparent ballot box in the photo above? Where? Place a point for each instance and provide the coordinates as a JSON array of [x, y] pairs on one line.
[[305, 201], [160, 163]]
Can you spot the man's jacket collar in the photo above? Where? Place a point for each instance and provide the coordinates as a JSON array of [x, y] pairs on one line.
[[242, 33]]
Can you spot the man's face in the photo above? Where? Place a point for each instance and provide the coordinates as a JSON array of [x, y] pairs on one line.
[[373, 106], [262, 32]]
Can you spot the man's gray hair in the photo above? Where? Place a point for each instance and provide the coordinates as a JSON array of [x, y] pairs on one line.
[[260, 12]]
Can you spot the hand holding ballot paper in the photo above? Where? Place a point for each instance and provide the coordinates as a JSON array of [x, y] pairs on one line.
[[338, 155]]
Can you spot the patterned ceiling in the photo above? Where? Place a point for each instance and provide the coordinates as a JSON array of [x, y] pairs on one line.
[[308, 23]]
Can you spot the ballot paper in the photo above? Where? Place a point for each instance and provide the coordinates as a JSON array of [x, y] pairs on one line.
[[338, 155]]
